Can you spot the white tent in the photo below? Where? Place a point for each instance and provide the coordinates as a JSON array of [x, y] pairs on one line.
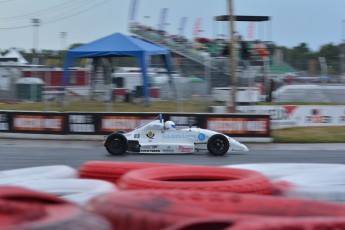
[[13, 53]]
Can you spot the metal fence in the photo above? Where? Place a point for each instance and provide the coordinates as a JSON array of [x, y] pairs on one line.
[[191, 81]]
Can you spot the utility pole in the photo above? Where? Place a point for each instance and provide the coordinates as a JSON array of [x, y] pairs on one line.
[[342, 55], [63, 36], [35, 24], [35, 57], [233, 58]]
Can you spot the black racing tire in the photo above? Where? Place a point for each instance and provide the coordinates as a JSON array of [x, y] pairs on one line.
[[218, 145], [116, 144]]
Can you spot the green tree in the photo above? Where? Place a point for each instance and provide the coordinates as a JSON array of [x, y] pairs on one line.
[[331, 53]]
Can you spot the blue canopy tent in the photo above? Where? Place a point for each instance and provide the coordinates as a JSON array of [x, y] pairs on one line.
[[118, 44]]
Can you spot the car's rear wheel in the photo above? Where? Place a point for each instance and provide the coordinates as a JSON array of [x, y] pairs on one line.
[[116, 144], [218, 145]]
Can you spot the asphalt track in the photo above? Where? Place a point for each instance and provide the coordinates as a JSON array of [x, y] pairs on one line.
[[18, 153]]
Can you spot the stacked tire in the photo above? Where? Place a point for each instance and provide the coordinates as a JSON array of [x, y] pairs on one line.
[[27, 209], [177, 196]]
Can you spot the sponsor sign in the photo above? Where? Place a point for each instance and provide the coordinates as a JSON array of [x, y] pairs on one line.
[[229, 125], [243, 125], [125, 123], [4, 126], [184, 121], [304, 115], [38, 123], [275, 112], [81, 123]]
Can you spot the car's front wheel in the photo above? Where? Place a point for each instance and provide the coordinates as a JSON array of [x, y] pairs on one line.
[[116, 144], [218, 145]]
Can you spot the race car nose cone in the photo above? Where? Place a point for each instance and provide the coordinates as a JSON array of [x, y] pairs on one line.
[[245, 149]]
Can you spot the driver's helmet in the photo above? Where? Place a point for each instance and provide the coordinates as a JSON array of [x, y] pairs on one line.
[[170, 125]]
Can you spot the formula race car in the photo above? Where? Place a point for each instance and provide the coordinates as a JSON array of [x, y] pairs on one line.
[[159, 137]]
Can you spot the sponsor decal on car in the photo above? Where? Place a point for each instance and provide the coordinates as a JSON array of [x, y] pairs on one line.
[[136, 135], [201, 137], [184, 149], [168, 151], [150, 151], [179, 136], [147, 147], [150, 135]]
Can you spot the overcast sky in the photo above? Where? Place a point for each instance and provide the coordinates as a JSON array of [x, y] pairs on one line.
[[315, 22]]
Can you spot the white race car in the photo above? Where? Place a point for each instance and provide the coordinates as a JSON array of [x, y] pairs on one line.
[[159, 137]]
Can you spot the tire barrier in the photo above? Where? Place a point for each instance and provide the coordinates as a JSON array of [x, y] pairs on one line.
[[172, 197], [198, 178], [302, 180], [253, 223], [8, 177], [125, 211], [215, 223], [112, 171], [156, 209], [235, 203], [78, 191], [26, 209]]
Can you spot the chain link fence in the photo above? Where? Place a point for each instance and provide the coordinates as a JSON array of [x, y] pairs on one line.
[[204, 81]]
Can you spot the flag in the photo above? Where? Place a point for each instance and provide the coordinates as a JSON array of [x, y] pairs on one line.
[[183, 23], [162, 18], [197, 27], [251, 28], [133, 10]]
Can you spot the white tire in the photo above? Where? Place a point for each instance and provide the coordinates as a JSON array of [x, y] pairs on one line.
[[78, 191], [304, 180], [8, 177]]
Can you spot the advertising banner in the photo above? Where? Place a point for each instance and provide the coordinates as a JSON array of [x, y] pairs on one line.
[[38, 123], [4, 122], [303, 115], [239, 125], [122, 122], [81, 123]]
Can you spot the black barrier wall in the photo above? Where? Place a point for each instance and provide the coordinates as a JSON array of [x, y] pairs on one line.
[[235, 125]]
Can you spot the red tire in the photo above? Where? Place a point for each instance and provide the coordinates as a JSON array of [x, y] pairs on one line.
[[198, 178], [301, 223], [215, 223], [125, 211], [234, 203], [26, 209], [111, 171], [257, 223], [159, 209]]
